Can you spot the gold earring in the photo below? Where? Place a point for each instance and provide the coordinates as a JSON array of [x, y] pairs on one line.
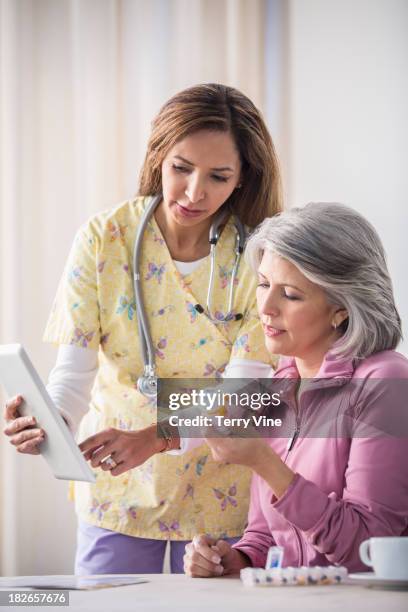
[[334, 325]]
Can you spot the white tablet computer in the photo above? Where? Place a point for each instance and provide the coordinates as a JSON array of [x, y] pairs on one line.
[[59, 449]]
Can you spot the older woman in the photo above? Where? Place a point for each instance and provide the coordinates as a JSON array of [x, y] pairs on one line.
[[326, 303]]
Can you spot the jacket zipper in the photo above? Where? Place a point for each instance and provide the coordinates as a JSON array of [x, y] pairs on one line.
[[290, 445], [294, 437], [292, 440]]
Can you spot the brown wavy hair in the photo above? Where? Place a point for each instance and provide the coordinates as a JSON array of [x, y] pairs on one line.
[[224, 109]]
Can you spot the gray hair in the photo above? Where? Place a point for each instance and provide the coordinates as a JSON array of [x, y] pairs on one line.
[[339, 250]]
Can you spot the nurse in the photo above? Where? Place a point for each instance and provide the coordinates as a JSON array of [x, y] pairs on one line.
[[209, 148]]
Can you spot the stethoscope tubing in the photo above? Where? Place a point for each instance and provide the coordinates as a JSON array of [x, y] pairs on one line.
[[146, 343]]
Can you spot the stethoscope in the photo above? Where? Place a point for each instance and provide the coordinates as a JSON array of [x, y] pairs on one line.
[[147, 383]]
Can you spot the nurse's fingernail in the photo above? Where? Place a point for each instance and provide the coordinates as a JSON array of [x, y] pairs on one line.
[[215, 559], [219, 569]]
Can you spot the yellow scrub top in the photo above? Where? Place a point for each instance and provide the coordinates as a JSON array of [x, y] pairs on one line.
[[168, 497]]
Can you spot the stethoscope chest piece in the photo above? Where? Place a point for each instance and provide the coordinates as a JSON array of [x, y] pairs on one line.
[[148, 386]]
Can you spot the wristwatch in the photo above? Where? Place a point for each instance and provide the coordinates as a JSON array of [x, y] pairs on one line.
[[164, 431]]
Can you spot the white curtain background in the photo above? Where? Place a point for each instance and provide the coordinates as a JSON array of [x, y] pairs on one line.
[[347, 128], [81, 81]]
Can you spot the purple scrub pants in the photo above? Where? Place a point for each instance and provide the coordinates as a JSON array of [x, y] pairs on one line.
[[100, 551]]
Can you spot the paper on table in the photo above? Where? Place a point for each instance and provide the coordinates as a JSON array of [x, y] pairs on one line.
[[72, 583]]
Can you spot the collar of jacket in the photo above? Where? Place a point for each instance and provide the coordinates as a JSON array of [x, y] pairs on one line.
[[334, 371]]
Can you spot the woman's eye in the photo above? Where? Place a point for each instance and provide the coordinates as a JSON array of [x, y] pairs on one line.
[[288, 296], [263, 285], [220, 179]]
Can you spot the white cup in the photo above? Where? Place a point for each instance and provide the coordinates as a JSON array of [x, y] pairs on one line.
[[387, 556]]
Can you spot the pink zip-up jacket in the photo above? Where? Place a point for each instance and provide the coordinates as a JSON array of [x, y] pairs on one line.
[[346, 489]]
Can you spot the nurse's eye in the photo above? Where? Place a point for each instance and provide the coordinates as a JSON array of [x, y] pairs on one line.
[[219, 179], [182, 169], [263, 285]]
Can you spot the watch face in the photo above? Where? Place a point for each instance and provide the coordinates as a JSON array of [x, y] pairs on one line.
[[164, 430]]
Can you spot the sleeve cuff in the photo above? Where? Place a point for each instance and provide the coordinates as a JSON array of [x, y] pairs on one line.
[[303, 503], [257, 558]]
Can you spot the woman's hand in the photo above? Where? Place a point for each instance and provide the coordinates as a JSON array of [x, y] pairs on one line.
[[256, 454], [206, 558], [126, 449], [242, 451], [22, 430]]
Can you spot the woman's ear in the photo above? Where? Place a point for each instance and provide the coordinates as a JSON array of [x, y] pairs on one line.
[[240, 180], [339, 317]]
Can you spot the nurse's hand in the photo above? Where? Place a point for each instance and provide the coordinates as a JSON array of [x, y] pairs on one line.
[[123, 450], [208, 558], [23, 431]]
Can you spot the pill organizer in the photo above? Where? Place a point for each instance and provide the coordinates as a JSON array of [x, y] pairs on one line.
[[292, 576]]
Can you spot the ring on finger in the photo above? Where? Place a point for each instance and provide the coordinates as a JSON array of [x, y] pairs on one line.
[[110, 462]]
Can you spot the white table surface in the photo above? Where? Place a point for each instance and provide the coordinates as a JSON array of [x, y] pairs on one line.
[[180, 593]]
